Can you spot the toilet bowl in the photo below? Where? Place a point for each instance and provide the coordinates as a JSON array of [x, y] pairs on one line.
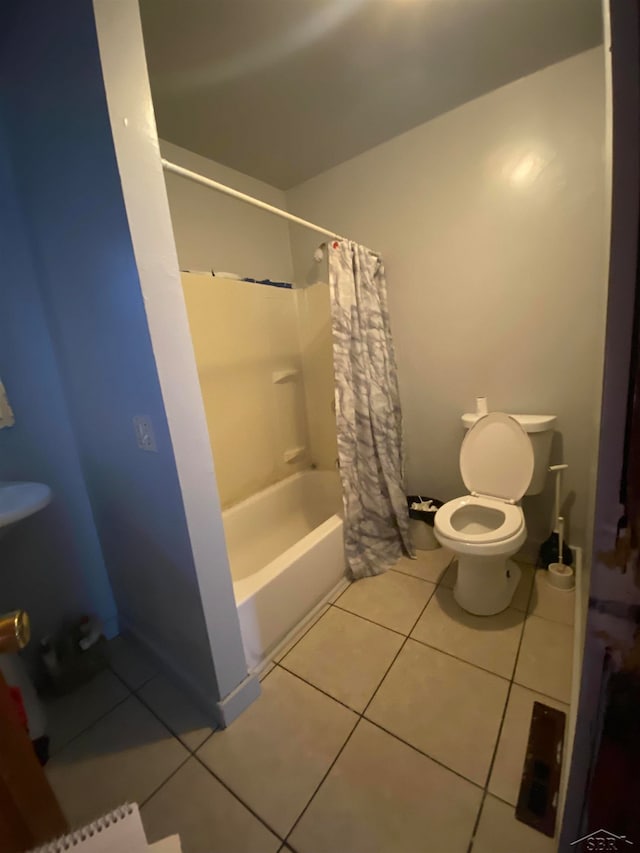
[[487, 526]]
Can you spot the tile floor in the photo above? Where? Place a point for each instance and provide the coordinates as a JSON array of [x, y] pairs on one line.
[[395, 721]]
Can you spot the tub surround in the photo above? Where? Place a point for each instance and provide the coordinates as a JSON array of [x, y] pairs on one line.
[[244, 337]]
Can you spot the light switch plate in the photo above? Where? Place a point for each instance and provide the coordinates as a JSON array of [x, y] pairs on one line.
[[144, 433]]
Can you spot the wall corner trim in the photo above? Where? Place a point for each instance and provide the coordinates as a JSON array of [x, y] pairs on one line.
[[238, 700], [135, 140]]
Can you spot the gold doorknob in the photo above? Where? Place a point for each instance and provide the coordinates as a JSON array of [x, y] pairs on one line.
[[15, 631]]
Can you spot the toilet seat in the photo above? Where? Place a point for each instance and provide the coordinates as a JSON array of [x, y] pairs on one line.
[[496, 458], [509, 523], [487, 527], [496, 463]]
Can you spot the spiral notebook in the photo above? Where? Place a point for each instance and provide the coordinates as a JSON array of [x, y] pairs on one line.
[[119, 830]]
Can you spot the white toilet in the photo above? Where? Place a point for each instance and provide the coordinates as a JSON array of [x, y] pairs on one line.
[[501, 456]]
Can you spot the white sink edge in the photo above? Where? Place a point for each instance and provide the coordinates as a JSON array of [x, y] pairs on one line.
[[19, 500]]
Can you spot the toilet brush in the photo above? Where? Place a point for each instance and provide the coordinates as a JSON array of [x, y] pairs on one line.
[[560, 538], [554, 549], [559, 575]]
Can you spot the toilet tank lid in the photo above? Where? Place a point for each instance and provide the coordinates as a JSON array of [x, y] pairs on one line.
[[530, 423], [496, 458]]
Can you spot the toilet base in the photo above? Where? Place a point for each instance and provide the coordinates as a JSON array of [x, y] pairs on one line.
[[485, 585]]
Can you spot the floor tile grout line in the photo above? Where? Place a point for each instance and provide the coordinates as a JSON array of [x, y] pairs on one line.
[[196, 757], [370, 621], [502, 799], [322, 781], [429, 645], [166, 725], [531, 589], [53, 755], [267, 674], [336, 600], [485, 787], [553, 621], [143, 803], [504, 711], [524, 624], [422, 752], [335, 604], [280, 663], [485, 791], [190, 754], [542, 693], [509, 678], [236, 796], [506, 678], [154, 713], [206, 740], [511, 683], [476, 823], [418, 577], [395, 658], [131, 692], [128, 686], [362, 715], [311, 624], [319, 689], [217, 730]]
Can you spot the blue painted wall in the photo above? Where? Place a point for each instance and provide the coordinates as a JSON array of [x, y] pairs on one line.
[[52, 563], [69, 184]]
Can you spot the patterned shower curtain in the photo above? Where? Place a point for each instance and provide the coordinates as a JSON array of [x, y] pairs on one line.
[[368, 415]]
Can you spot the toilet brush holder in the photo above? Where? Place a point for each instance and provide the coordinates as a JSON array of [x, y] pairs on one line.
[[561, 577]]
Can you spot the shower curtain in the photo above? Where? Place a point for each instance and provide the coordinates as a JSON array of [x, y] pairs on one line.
[[368, 415]]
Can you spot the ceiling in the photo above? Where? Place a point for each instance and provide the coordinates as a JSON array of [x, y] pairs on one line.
[[284, 89]]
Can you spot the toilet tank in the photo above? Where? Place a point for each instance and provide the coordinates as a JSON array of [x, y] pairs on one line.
[[540, 431]]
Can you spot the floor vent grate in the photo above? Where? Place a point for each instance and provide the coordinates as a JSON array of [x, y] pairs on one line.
[[538, 798]]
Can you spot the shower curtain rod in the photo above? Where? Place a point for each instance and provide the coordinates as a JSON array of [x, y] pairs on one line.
[[269, 208]]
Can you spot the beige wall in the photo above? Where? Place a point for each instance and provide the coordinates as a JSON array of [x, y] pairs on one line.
[[491, 219], [241, 334], [213, 231]]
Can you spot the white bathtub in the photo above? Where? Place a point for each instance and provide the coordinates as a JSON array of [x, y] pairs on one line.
[[286, 553]]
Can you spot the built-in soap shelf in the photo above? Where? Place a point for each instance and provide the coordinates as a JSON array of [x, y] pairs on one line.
[[293, 454], [280, 376]]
